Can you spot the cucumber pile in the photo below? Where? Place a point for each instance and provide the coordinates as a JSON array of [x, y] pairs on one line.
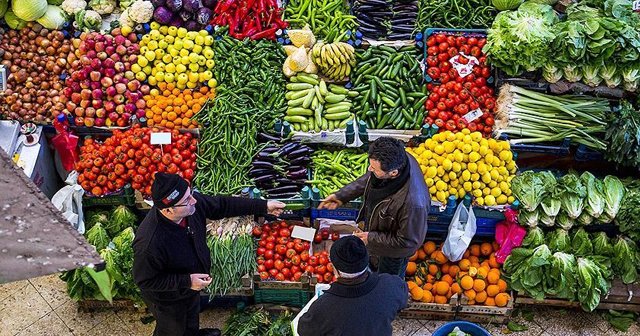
[[314, 106]]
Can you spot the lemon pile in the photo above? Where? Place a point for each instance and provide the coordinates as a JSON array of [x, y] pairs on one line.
[[456, 164], [175, 55]]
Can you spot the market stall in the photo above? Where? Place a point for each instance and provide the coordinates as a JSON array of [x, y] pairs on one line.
[[522, 113]]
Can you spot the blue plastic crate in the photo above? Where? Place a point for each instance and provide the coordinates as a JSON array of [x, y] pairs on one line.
[[453, 32], [557, 149], [585, 154]]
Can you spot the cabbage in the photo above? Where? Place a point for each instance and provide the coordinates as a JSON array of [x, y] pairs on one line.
[[4, 5], [572, 73], [29, 10], [573, 194], [564, 221], [602, 245], [527, 270], [584, 219], [98, 237], [54, 18], [506, 4], [551, 202], [561, 277], [534, 238], [591, 75], [559, 241], [595, 201], [121, 218], [528, 218], [528, 188], [614, 193], [581, 243], [13, 21], [545, 219], [551, 73], [592, 283], [625, 260]]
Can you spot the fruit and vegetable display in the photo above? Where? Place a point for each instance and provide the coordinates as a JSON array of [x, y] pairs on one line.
[[333, 170], [283, 258], [127, 157], [280, 171], [390, 87], [313, 105], [567, 201], [457, 164], [459, 94], [477, 277]]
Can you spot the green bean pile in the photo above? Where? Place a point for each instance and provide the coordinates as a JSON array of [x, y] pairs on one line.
[[328, 19], [231, 258], [458, 14], [334, 170], [250, 96]]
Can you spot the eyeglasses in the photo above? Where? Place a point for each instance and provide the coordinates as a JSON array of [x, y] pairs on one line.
[[190, 201]]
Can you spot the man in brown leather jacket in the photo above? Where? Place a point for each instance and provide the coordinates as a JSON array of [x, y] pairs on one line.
[[395, 205]]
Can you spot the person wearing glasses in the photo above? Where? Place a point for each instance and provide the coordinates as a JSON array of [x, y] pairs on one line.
[[171, 260]]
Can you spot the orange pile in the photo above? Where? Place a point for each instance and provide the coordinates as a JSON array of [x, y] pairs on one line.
[[172, 108], [434, 279]]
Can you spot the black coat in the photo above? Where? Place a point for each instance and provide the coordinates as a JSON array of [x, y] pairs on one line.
[[352, 310], [165, 254]]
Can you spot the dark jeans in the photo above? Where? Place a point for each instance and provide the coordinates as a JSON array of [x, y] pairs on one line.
[[176, 319], [395, 266]]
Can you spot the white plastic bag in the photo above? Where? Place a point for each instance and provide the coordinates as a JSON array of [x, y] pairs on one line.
[[69, 201], [461, 231]]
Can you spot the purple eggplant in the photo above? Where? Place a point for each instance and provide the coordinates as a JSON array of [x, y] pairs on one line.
[[157, 3], [302, 151], [300, 161], [264, 137], [204, 16], [185, 16], [284, 189], [174, 5], [209, 3], [163, 16], [192, 6], [264, 178], [259, 172], [263, 164]]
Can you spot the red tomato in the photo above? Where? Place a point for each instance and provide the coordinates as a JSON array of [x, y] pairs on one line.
[[298, 246], [295, 260], [285, 233], [283, 240], [317, 238], [261, 268], [270, 245], [264, 275], [335, 236], [291, 253], [281, 249], [321, 269], [268, 254], [441, 38], [280, 277], [313, 261], [304, 256], [273, 272], [322, 260], [328, 277], [278, 264], [268, 264], [261, 251], [297, 276], [309, 269]]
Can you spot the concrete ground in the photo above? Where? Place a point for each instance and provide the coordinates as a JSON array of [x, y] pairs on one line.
[[40, 306]]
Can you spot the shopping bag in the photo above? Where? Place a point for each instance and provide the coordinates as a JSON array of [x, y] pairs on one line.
[[69, 201], [509, 235], [461, 231]]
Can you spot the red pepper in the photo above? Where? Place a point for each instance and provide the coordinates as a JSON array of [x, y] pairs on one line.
[[226, 5], [268, 33], [258, 23]]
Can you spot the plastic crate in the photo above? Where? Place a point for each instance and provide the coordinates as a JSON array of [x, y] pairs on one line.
[[287, 297], [124, 197], [585, 154], [453, 32], [557, 149], [294, 213]]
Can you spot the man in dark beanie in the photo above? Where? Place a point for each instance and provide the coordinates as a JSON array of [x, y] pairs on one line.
[[395, 205], [359, 302], [171, 260]]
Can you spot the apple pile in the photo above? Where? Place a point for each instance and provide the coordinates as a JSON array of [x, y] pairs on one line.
[[101, 89]]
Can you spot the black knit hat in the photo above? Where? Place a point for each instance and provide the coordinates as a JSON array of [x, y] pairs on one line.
[[167, 190], [349, 255]]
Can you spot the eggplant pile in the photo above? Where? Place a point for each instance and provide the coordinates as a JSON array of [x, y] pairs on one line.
[[386, 20], [280, 171]]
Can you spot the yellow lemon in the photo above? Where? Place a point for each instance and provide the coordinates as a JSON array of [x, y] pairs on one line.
[[495, 192], [477, 193], [506, 155], [482, 168], [432, 190], [511, 199], [446, 164], [472, 167], [480, 201], [466, 175], [502, 199], [486, 177], [456, 167], [467, 186], [452, 176], [474, 156], [486, 192], [439, 149], [477, 185], [493, 184], [489, 200], [475, 177], [431, 172], [429, 182]]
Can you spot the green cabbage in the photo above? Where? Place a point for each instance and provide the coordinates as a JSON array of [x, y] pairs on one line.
[[545, 219], [581, 243], [564, 221], [614, 193], [53, 18], [528, 218], [561, 277], [526, 270], [631, 77], [551, 201], [595, 201], [98, 237], [121, 218], [584, 219], [534, 238], [29, 10], [559, 241], [13, 21], [572, 73], [625, 260], [573, 194], [551, 73], [528, 188], [602, 245], [592, 283], [591, 75]]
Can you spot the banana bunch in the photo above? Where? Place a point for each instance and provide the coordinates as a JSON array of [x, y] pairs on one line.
[[335, 60], [314, 106]]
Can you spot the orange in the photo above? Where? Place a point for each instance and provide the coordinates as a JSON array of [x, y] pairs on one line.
[[411, 268], [466, 254], [495, 246], [491, 302], [453, 271], [429, 247], [471, 302], [482, 272], [502, 299], [414, 257], [171, 116], [486, 249], [473, 271], [422, 255], [416, 293], [479, 285], [474, 260], [470, 294], [439, 257], [502, 285], [464, 264], [493, 262], [419, 281], [481, 296], [456, 289], [475, 250], [427, 297], [445, 268], [466, 282], [430, 279], [411, 285], [427, 287], [447, 278], [441, 299], [442, 288], [493, 290], [493, 278], [485, 264], [433, 269]]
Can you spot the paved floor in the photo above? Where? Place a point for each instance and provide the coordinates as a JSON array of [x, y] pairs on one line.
[[40, 306]]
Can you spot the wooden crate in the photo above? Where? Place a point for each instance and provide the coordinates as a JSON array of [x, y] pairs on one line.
[[307, 282], [117, 305], [431, 311], [484, 314]]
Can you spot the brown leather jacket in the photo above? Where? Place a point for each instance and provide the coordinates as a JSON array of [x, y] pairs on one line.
[[398, 224]]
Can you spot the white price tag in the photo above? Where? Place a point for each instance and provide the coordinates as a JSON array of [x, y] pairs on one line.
[[465, 69], [303, 233], [160, 138], [473, 115]]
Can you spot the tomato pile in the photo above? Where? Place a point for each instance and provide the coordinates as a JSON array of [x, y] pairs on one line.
[[282, 258], [128, 157], [453, 96]]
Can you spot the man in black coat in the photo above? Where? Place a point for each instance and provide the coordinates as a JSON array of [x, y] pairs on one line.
[[359, 302], [171, 260]]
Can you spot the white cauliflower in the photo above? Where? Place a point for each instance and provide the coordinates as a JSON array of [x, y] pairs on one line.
[[124, 4], [103, 6], [125, 20], [71, 7], [141, 11]]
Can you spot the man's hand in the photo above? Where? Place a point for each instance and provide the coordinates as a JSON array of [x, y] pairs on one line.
[[275, 208], [362, 235], [199, 281], [331, 203]]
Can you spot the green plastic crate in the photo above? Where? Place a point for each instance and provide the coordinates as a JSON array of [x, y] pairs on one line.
[[125, 197], [285, 297]]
